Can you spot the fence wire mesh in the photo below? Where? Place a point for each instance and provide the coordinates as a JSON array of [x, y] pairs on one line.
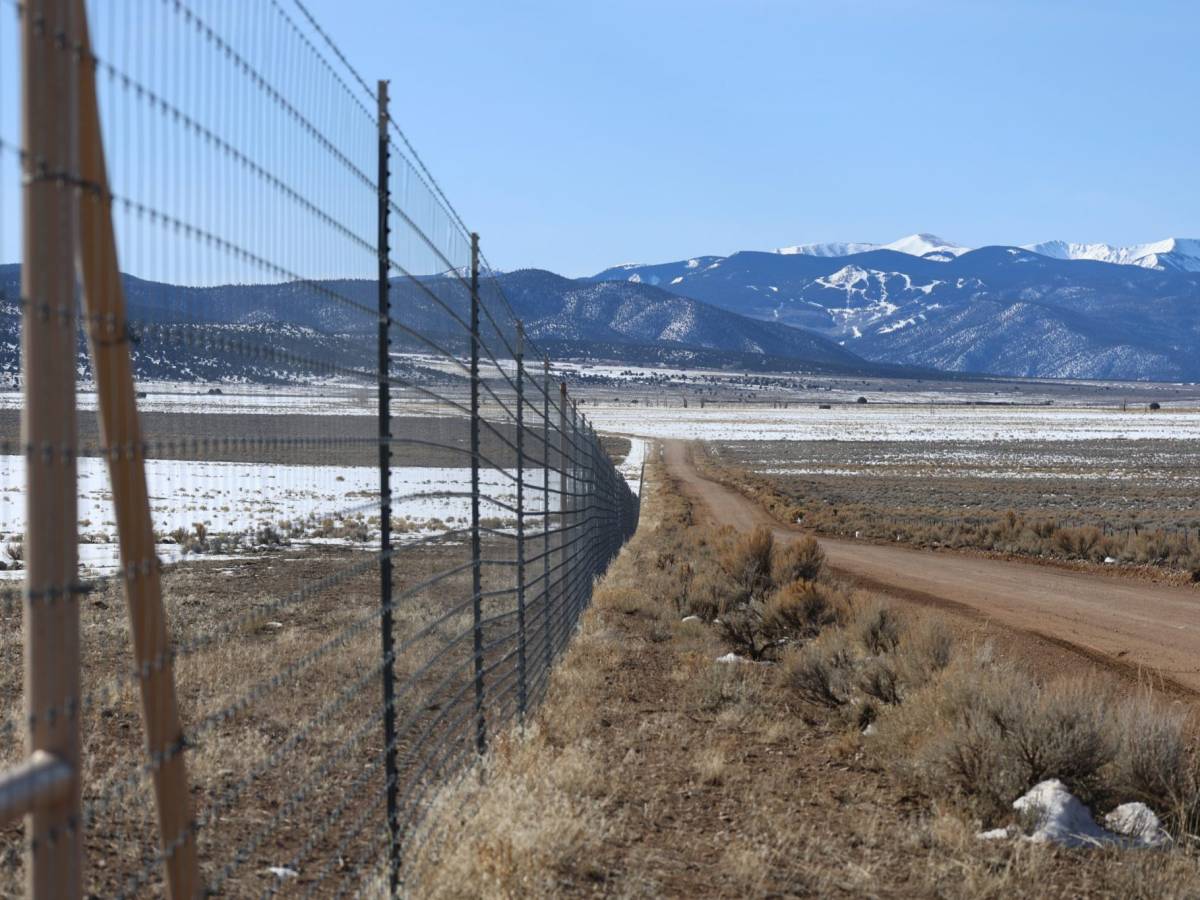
[[377, 512]]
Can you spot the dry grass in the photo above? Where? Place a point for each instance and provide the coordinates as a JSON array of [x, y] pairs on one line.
[[653, 770], [281, 704]]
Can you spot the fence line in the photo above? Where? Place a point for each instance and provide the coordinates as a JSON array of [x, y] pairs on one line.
[[374, 524]]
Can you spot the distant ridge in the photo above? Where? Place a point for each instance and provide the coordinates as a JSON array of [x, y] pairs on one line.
[[1170, 253], [617, 321], [1053, 310]]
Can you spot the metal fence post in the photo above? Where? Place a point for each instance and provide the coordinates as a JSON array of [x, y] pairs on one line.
[[546, 618], [563, 510], [53, 839], [476, 550], [385, 505], [522, 688], [576, 505]]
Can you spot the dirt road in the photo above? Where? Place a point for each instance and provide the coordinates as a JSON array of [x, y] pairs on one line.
[[1122, 624]]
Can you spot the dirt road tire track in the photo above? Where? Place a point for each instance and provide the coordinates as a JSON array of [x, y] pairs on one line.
[[1142, 632]]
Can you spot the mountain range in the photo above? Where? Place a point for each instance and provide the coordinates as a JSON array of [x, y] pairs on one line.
[[920, 303], [299, 330], [1054, 309], [1171, 253]]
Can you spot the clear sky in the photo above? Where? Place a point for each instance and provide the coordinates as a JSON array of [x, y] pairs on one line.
[[575, 135]]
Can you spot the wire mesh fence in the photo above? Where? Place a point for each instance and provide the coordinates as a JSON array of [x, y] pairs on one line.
[[377, 513]]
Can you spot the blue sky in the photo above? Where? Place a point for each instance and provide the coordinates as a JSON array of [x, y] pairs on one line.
[[576, 135]]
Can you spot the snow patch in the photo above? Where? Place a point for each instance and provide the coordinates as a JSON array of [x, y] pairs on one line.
[[1060, 817], [1184, 253], [1137, 822], [896, 326]]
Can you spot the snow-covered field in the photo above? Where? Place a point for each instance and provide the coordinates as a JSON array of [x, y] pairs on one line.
[[327, 399], [235, 502], [631, 466], [894, 422], [181, 397]]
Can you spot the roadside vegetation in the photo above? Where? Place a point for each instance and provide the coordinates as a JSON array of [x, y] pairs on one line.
[[733, 721], [1054, 522]]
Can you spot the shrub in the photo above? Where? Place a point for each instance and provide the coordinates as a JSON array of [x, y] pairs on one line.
[[879, 629], [880, 680], [820, 672], [929, 650], [267, 535], [802, 559], [797, 610], [1152, 761], [742, 629], [987, 734], [707, 594], [1078, 543], [747, 561]]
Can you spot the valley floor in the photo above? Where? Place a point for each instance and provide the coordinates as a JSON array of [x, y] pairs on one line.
[[1123, 624], [656, 769]]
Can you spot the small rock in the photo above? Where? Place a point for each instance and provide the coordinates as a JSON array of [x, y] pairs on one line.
[[690, 619], [1108, 560], [281, 872], [273, 626], [731, 658], [869, 730]]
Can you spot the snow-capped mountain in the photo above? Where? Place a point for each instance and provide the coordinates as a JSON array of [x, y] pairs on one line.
[[295, 331], [914, 245], [1173, 253], [1000, 310], [1182, 254]]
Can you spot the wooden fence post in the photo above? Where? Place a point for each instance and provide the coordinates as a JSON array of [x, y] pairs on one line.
[[120, 435], [53, 838]]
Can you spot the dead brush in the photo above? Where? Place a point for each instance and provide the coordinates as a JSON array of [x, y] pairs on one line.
[[926, 651], [1155, 762], [747, 561], [707, 593], [982, 735], [742, 629], [821, 672], [879, 628], [1078, 543], [801, 560], [800, 609], [880, 679]]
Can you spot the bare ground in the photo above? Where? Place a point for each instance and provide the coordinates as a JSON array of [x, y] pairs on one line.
[[652, 770], [1130, 626]]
